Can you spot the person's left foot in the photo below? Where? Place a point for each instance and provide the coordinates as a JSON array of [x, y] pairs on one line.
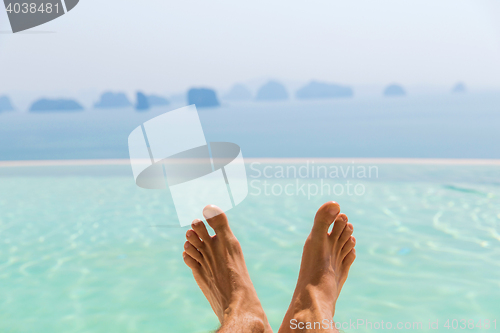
[[220, 271], [326, 260]]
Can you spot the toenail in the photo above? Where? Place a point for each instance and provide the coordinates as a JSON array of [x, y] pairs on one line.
[[211, 211], [335, 209], [186, 246], [196, 222]]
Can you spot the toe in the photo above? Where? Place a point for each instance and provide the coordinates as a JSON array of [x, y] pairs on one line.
[[193, 252], [349, 259], [325, 217], [194, 239], [348, 247], [193, 264], [345, 235], [201, 230], [338, 226], [216, 219]]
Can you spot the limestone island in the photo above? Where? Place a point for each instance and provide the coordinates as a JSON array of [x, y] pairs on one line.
[[155, 100], [394, 90], [113, 100], [317, 90], [459, 88], [44, 105], [238, 92], [202, 97], [145, 102], [272, 91], [142, 102], [5, 104]]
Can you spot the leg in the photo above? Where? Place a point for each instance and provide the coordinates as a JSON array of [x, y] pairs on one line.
[[326, 260], [220, 271]]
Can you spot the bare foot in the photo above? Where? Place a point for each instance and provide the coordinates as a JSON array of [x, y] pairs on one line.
[[326, 260], [219, 269]]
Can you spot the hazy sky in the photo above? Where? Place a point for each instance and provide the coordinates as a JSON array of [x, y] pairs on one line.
[[167, 46]]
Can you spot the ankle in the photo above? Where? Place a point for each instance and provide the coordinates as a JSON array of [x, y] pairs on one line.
[[311, 302], [233, 322], [248, 313]]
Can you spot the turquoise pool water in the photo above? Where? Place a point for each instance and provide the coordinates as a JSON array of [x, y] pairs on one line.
[[82, 249]]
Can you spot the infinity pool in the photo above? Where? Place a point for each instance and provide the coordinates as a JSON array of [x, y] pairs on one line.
[[82, 249]]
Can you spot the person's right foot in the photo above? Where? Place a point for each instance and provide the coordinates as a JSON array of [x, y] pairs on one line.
[[326, 260], [219, 270]]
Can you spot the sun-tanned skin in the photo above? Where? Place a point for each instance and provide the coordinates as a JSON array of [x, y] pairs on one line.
[[219, 269], [326, 260]]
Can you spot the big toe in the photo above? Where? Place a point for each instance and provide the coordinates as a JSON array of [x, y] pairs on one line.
[[324, 218], [217, 219]]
